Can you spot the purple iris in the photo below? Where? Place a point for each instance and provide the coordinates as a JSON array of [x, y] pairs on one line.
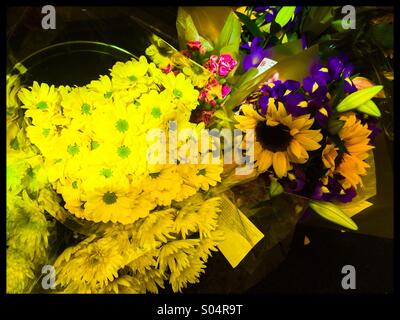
[[270, 14], [372, 125], [338, 67], [336, 191], [263, 101], [349, 86], [285, 92], [256, 55], [317, 90], [291, 22], [261, 9], [297, 185], [322, 115], [304, 41]]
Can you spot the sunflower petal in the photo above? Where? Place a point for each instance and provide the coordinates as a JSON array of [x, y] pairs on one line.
[[265, 160], [280, 163]]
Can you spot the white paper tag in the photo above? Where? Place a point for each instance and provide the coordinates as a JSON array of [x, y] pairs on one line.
[[266, 64]]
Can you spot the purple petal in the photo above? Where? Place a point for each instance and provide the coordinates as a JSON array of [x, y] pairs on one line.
[[308, 84], [335, 66], [304, 41], [348, 70], [255, 44], [260, 9], [349, 86], [263, 101], [292, 85], [321, 118], [270, 14], [348, 195]]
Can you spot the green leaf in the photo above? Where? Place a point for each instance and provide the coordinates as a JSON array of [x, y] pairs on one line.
[[331, 212], [266, 28], [334, 126], [284, 15], [339, 94], [337, 25], [370, 108], [241, 89], [358, 98], [383, 35], [339, 143], [230, 34], [250, 24], [275, 189]]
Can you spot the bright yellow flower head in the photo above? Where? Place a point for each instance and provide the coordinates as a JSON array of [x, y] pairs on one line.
[[130, 74], [351, 165], [280, 138]]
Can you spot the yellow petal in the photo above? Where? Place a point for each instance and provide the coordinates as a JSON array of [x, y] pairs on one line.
[[280, 163], [265, 160], [306, 142], [250, 112]]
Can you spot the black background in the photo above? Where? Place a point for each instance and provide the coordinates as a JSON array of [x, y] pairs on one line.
[[312, 268]]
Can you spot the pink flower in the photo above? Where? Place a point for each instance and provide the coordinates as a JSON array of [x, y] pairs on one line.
[[226, 60], [206, 116], [225, 90], [223, 70], [194, 45], [226, 64], [167, 69], [212, 64]]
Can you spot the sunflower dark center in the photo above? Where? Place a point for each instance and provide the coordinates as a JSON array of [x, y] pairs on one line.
[[275, 138]]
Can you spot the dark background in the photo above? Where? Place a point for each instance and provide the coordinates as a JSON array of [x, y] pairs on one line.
[[312, 268]]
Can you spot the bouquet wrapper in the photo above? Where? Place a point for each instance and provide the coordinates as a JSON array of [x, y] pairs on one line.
[[258, 228]]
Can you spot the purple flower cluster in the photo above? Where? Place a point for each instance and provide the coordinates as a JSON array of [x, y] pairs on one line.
[[256, 55], [312, 96]]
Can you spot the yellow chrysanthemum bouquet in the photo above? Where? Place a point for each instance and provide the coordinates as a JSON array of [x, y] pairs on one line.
[[116, 186], [93, 143]]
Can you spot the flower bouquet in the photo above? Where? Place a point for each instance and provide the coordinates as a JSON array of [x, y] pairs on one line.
[[127, 184]]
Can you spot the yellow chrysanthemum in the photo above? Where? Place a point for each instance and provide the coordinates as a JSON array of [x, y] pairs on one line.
[[29, 228], [118, 121], [79, 105], [351, 166], [102, 90], [197, 74], [181, 91], [131, 75], [279, 138], [91, 267], [158, 184], [41, 97], [115, 201], [19, 272]]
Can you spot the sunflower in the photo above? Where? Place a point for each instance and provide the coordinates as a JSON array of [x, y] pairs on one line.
[[351, 165], [280, 138]]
